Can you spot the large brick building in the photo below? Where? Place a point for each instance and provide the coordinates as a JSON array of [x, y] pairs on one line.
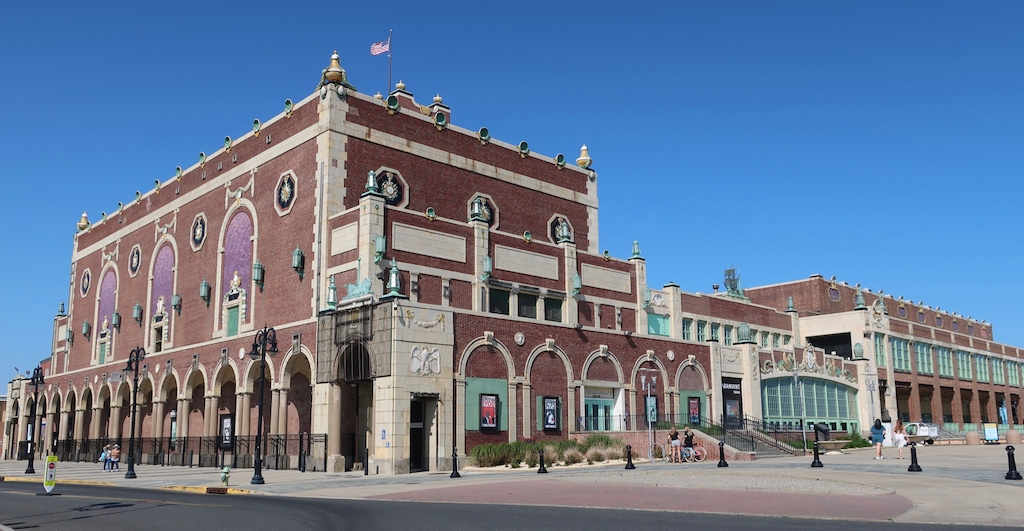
[[429, 289]]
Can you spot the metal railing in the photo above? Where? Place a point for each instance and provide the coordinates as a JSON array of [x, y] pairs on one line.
[[284, 452]]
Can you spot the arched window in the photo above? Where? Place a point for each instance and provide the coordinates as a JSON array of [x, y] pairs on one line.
[[105, 306], [160, 302], [236, 277]]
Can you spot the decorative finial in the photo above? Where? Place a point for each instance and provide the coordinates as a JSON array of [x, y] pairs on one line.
[[60, 311], [584, 161], [334, 72], [437, 99], [400, 85], [636, 247], [377, 96], [563, 234], [84, 222], [789, 304], [371, 184], [859, 300]]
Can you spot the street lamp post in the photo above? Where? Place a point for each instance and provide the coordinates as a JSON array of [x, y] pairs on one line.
[[259, 352], [651, 414], [134, 358], [798, 389], [36, 381]]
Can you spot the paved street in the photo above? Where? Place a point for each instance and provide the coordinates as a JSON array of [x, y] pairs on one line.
[[958, 485]]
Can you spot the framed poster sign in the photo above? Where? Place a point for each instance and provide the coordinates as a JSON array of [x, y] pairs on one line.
[[551, 416], [651, 408], [226, 439], [488, 412]]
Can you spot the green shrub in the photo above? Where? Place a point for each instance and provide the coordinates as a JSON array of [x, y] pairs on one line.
[[856, 441]]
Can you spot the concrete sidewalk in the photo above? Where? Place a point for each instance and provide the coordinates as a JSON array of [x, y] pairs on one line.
[[958, 485]]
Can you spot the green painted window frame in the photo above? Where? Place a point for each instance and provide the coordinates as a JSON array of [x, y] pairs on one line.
[[702, 331], [998, 372], [963, 365], [923, 354], [981, 362], [945, 361], [900, 354], [657, 325], [1013, 373], [879, 350], [727, 335], [688, 329], [553, 310], [776, 339], [715, 332], [231, 328]]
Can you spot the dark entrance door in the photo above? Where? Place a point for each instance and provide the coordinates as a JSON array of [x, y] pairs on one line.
[[417, 436]]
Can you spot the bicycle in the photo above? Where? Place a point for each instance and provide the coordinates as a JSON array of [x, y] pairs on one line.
[[694, 453]]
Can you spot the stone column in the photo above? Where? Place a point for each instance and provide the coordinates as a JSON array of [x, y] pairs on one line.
[[183, 414], [335, 461], [914, 402], [937, 405], [114, 427], [79, 425], [282, 414], [157, 431], [245, 414], [64, 416], [274, 411], [94, 424], [209, 414], [47, 436], [527, 409], [512, 416], [993, 412]]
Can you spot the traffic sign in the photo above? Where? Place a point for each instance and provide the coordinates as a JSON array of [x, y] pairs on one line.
[[50, 479]]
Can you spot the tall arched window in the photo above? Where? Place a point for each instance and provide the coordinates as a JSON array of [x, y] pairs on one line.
[[236, 277], [162, 291], [105, 307], [818, 400]]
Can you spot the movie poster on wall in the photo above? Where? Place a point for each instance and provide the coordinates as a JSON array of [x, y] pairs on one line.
[[551, 416], [488, 412]]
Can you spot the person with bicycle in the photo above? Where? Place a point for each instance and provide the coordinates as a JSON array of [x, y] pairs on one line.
[[687, 440]]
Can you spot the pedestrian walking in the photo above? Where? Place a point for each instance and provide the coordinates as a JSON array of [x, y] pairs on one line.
[[877, 436], [899, 436]]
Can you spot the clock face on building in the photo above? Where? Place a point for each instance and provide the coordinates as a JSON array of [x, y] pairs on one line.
[[286, 192], [520, 338]]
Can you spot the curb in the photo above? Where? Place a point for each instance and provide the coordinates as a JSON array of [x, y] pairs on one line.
[[210, 490], [65, 481]]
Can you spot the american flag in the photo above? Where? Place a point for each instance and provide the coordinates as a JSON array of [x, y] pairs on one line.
[[378, 48]]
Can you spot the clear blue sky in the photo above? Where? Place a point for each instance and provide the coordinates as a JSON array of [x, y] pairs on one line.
[[880, 142]]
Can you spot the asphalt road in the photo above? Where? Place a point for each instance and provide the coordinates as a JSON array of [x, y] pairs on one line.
[[83, 507]]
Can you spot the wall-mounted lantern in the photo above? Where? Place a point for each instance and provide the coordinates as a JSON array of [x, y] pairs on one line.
[[176, 303], [257, 273], [488, 268], [380, 247], [137, 313], [204, 291], [115, 321], [86, 328], [299, 261]]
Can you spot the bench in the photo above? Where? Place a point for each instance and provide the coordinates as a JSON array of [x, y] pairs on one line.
[[832, 446]]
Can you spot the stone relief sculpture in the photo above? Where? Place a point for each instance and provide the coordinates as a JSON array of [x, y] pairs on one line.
[[425, 361]]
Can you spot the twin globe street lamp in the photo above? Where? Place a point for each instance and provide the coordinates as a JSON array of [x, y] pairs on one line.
[[264, 342], [134, 358], [36, 381]]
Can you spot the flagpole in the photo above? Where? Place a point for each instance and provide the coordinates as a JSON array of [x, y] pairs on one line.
[[390, 32]]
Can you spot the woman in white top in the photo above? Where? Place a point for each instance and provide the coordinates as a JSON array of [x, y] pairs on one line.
[[899, 436]]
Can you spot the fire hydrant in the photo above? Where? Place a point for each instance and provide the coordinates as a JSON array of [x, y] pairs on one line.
[[225, 473]]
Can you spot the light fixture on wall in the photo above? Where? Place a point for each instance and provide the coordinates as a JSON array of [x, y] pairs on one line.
[[257, 273], [204, 291], [137, 313], [70, 336], [488, 268], [577, 284], [176, 303], [115, 321], [86, 328], [332, 294], [380, 247], [299, 261]]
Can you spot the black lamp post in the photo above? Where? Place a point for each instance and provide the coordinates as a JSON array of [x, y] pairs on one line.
[[134, 357], [36, 381], [265, 339]]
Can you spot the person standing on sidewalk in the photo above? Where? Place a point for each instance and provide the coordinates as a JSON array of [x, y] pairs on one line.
[[115, 458], [675, 446], [105, 457], [877, 437]]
